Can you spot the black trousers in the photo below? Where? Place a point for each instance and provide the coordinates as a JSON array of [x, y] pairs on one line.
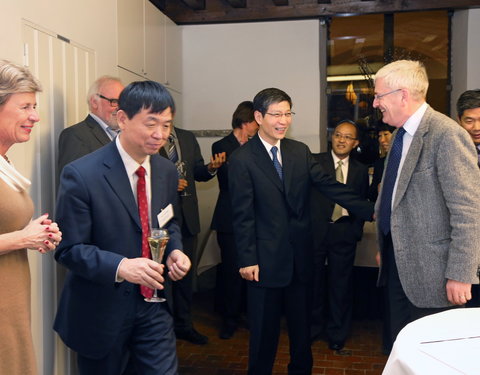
[[400, 311], [265, 309], [333, 283], [182, 290], [230, 286]]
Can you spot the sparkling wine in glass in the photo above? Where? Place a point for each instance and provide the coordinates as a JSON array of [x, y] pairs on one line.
[[182, 173], [157, 240]]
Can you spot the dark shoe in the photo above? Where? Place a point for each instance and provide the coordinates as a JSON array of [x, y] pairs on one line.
[[192, 336], [227, 331], [335, 346]]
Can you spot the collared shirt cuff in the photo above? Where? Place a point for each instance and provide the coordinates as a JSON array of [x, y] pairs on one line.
[[119, 279]]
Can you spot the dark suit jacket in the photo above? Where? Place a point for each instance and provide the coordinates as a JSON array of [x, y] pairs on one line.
[[196, 170], [97, 212], [271, 218], [222, 216], [378, 168], [79, 140], [322, 207]]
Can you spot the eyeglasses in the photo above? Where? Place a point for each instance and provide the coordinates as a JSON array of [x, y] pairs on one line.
[[347, 137], [380, 96], [113, 102], [278, 115]]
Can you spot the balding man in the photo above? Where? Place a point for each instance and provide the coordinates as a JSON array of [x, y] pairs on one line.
[[99, 127], [336, 233]]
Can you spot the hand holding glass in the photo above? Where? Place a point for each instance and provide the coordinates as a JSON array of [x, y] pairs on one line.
[[157, 240], [182, 173]]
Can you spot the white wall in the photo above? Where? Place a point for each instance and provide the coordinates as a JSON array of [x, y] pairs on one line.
[[89, 23], [465, 54], [226, 64]]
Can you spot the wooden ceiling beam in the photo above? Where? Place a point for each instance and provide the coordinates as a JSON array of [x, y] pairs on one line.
[[237, 3], [195, 4], [280, 2], [222, 11]]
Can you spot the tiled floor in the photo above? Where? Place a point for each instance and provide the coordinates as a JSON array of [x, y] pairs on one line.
[[362, 354]]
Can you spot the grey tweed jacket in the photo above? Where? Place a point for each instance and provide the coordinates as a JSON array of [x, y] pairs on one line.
[[435, 223]]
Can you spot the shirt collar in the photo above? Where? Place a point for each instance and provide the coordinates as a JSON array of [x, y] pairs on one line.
[[100, 121], [268, 146], [411, 125], [131, 165], [336, 159]]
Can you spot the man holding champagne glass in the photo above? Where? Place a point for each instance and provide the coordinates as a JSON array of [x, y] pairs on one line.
[[109, 200]]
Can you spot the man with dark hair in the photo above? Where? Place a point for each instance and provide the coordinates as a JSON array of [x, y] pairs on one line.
[[107, 202], [98, 128], [336, 233], [269, 180], [468, 112], [182, 147], [229, 283]]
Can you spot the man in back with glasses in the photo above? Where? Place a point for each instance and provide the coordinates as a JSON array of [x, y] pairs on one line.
[[98, 128], [336, 233]]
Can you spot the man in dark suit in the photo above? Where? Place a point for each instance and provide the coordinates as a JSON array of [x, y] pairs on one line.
[[269, 180], [468, 112], [230, 285], [183, 147], [336, 233], [98, 128], [106, 203]]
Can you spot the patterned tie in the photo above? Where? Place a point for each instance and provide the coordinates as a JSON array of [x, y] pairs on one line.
[[172, 150], [143, 213], [389, 179], [276, 163], [338, 210], [112, 132]]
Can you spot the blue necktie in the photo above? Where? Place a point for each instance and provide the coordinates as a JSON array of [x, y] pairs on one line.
[[389, 181], [276, 163]]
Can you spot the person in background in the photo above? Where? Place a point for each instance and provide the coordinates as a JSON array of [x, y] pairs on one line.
[[384, 133], [18, 232], [230, 286], [182, 148], [468, 112], [427, 210], [108, 201], [98, 128], [269, 179], [336, 233]]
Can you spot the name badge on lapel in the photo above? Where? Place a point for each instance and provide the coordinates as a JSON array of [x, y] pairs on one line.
[[165, 215]]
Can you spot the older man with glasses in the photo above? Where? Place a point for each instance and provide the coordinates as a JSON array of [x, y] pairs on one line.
[[336, 233], [98, 128], [427, 210]]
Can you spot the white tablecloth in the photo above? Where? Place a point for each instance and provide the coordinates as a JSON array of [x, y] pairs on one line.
[[439, 344]]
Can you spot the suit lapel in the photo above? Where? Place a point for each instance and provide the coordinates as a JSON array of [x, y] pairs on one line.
[[97, 131], [352, 170], [158, 182], [264, 162], [412, 158], [118, 180]]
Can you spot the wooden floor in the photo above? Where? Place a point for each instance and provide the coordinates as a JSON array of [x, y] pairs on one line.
[[362, 354]]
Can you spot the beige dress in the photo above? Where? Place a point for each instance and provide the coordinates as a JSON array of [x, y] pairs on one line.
[[16, 346]]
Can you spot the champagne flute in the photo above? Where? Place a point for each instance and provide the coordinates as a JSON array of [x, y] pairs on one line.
[[182, 173], [157, 240]]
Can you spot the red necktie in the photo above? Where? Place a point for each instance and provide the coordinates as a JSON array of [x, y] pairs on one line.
[[143, 213]]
